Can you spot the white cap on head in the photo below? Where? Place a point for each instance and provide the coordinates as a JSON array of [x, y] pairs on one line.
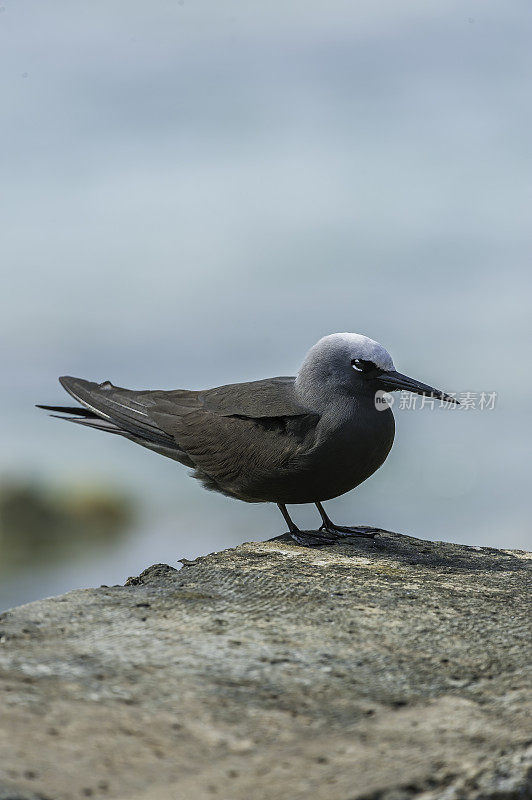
[[353, 345], [327, 367]]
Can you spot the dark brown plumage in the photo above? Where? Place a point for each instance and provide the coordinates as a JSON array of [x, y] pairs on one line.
[[284, 440]]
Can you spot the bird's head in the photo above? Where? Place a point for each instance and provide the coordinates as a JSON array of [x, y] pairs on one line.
[[353, 364]]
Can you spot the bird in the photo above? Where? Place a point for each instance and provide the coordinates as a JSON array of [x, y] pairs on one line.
[[295, 440]]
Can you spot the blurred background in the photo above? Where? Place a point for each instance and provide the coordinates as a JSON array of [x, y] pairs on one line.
[[194, 192]]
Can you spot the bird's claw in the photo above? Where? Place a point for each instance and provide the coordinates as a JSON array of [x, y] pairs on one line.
[[345, 531], [331, 535], [312, 538]]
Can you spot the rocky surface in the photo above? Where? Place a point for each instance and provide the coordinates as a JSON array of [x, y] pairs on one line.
[[387, 670]]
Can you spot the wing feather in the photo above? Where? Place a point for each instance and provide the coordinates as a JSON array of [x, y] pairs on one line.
[[240, 438]]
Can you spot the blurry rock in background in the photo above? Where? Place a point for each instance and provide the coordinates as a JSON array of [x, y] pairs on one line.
[[40, 523]]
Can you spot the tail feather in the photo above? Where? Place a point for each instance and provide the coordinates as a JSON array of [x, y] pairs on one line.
[[120, 411], [117, 405], [98, 424], [79, 411]]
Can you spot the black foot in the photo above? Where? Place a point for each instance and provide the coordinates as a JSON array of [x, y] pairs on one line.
[[313, 538], [345, 531], [332, 535]]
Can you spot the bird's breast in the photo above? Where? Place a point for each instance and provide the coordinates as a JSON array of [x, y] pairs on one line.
[[346, 452]]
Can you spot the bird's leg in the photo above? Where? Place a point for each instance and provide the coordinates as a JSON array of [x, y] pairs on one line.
[[305, 538], [292, 527], [341, 531]]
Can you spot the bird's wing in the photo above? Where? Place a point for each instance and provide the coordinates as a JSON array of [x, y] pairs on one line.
[[128, 410], [273, 397], [120, 411], [222, 432], [239, 455], [241, 437]]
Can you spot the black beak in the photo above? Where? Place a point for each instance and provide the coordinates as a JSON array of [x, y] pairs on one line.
[[392, 381]]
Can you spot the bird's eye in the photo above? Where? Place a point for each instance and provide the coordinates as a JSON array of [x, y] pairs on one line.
[[361, 365]]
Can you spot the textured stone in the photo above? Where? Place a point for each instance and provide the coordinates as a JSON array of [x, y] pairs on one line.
[[388, 670]]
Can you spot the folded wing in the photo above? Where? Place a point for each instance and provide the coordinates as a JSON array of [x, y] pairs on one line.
[[234, 436]]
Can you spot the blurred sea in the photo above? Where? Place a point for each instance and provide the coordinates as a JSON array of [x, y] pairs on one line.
[[194, 194]]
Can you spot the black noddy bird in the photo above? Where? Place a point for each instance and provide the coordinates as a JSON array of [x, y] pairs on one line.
[[302, 439]]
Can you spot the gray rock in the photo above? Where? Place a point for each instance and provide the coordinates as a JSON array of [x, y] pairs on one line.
[[389, 670]]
